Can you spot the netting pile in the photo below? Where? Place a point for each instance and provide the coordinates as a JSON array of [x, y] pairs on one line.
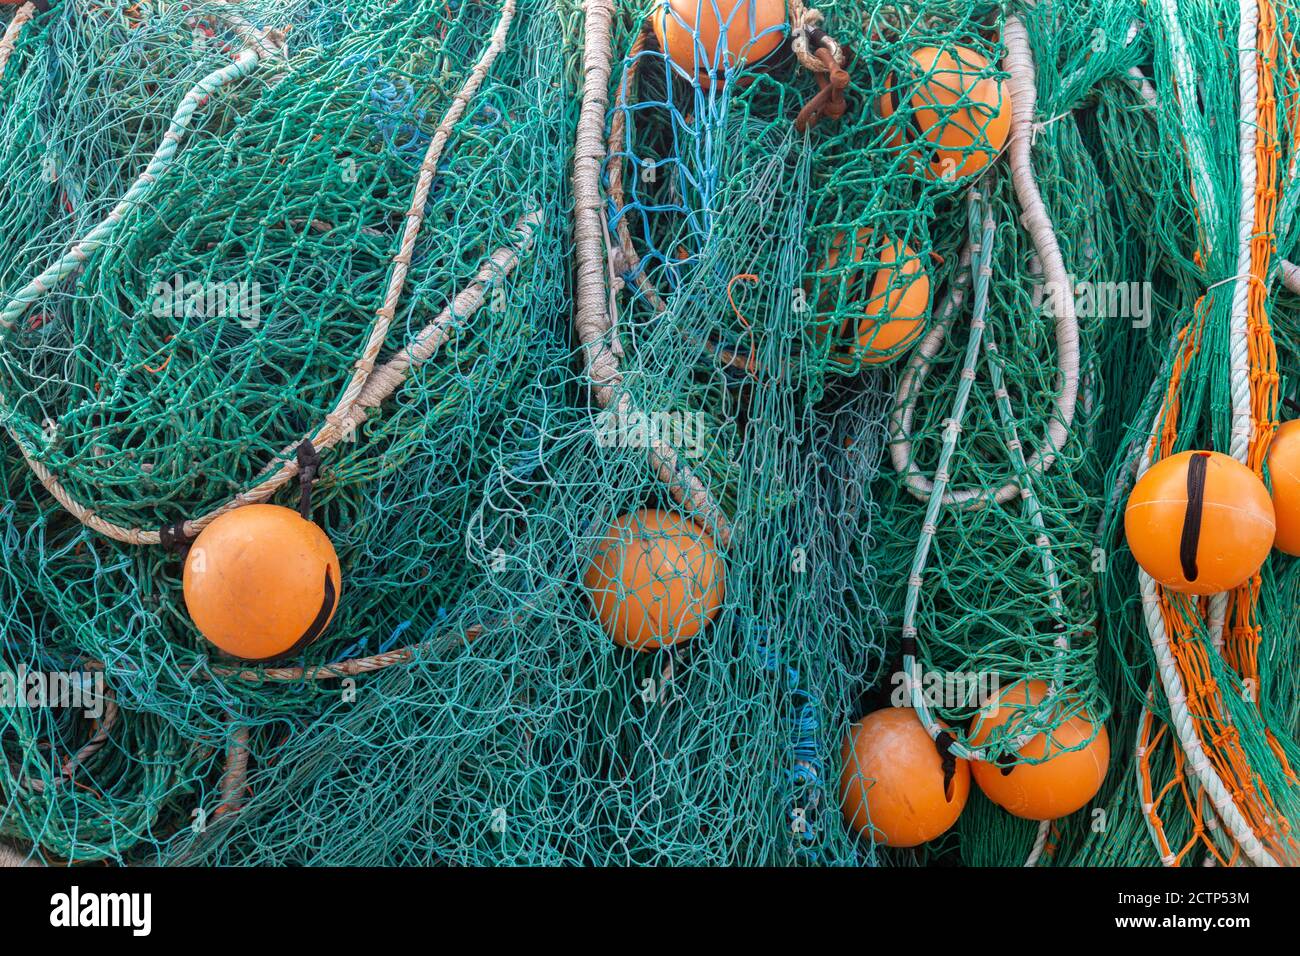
[[150, 400], [520, 271]]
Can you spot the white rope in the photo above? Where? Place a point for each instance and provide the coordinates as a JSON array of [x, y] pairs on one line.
[[1239, 332], [1040, 843]]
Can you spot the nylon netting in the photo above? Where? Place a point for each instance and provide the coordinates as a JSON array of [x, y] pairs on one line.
[[635, 282]]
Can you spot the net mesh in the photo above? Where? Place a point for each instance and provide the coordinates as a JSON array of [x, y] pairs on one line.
[[884, 302]]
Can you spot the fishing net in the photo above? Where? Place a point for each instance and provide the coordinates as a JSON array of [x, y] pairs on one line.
[[230, 228], [734, 198], [1054, 279], [1210, 697], [502, 289]]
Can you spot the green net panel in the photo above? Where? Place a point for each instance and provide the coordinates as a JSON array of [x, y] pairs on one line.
[[217, 323], [679, 401]]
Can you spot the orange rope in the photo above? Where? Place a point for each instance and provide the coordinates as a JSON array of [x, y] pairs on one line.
[[1182, 615], [166, 361], [750, 363]]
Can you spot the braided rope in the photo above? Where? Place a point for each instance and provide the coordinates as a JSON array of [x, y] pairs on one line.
[[803, 20], [1243, 426], [1040, 843], [592, 250], [20, 20], [9, 857]]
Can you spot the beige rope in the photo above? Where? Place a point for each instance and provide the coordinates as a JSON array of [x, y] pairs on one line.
[[803, 20], [1291, 276], [235, 777], [351, 668], [379, 386], [1034, 218], [9, 857], [20, 20], [592, 320]]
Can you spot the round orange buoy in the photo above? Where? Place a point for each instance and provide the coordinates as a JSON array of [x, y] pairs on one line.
[[690, 33], [1063, 782], [1199, 522], [1284, 473], [889, 307], [892, 782], [262, 582], [655, 580], [957, 109]]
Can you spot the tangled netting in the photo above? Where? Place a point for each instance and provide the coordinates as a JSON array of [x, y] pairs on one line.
[[517, 270]]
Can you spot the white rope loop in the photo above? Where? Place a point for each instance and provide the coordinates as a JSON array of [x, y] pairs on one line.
[[593, 317]]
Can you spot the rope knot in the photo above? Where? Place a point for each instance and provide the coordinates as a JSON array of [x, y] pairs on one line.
[[806, 36], [308, 470], [823, 57], [175, 538]]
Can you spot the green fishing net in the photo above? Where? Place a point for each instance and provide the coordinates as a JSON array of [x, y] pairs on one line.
[[834, 343]]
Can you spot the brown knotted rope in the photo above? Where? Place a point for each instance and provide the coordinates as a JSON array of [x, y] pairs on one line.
[[818, 53]]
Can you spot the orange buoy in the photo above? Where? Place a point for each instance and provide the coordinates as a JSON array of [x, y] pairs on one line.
[[1199, 522], [1284, 474], [888, 307], [892, 782], [1063, 782], [261, 582], [690, 33], [656, 580], [958, 110]]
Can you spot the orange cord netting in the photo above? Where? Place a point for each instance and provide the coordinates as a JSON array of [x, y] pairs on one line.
[[1182, 615]]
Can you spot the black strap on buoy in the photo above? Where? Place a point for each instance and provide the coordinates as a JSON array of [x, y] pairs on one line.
[[314, 630], [1192, 520], [308, 470], [1006, 762], [944, 743], [896, 105], [174, 540]]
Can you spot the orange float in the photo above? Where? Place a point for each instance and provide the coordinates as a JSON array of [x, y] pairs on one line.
[[892, 783], [1199, 522], [1063, 782], [889, 307], [261, 582], [1284, 474], [958, 110], [656, 580], [691, 33]]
